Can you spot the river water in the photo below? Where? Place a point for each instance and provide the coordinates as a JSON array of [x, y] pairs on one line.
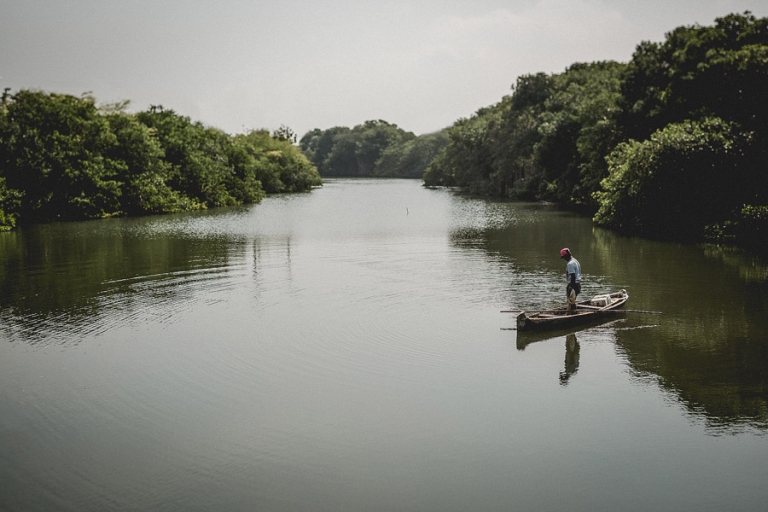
[[344, 350]]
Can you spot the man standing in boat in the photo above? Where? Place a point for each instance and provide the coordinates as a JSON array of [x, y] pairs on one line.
[[573, 276]]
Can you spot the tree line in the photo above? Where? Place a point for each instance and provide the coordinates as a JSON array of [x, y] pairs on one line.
[[671, 145], [375, 148], [64, 158]]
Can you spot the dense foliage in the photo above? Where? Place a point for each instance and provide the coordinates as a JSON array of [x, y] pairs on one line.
[[545, 141], [63, 158], [374, 148], [698, 104], [686, 176], [671, 145]]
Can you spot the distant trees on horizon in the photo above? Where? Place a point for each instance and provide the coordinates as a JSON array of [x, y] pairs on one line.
[[374, 148]]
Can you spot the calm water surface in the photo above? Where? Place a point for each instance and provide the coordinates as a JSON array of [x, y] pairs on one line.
[[344, 350]]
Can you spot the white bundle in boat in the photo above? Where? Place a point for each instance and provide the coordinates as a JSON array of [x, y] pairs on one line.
[[601, 300]]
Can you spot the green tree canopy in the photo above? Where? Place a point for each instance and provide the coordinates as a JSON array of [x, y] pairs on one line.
[[699, 72], [63, 158], [409, 158], [341, 151], [545, 141], [53, 155], [672, 144], [694, 114], [685, 177]]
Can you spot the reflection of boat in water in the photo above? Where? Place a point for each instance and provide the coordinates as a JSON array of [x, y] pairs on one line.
[[596, 308], [525, 338]]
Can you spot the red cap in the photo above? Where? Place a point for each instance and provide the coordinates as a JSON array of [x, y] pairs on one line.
[[565, 251]]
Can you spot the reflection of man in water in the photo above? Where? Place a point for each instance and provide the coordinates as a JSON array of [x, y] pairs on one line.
[[571, 358]]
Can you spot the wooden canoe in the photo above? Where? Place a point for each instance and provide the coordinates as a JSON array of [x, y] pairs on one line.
[[586, 311]]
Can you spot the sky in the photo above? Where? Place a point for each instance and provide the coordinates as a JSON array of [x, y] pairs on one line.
[[240, 65]]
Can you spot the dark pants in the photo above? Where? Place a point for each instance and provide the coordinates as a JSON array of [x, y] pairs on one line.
[[571, 291], [575, 287]]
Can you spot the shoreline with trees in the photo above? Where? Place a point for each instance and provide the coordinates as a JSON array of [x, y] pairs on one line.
[[63, 158], [672, 145]]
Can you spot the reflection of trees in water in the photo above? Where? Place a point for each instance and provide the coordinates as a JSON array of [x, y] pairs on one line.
[[59, 283], [727, 386], [751, 268], [710, 348]]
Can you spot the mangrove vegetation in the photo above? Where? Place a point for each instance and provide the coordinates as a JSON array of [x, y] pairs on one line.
[[64, 158], [374, 148], [671, 145]]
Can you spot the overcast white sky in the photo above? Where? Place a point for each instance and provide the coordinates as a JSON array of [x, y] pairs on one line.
[[245, 64]]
